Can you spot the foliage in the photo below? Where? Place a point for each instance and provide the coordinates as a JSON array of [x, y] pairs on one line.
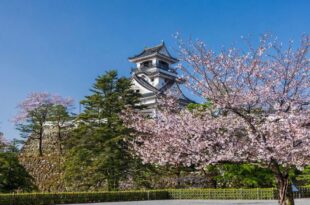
[[62, 120], [80, 197], [241, 176], [304, 177], [261, 193], [261, 97], [35, 113], [98, 149], [92, 197], [13, 176], [199, 107]]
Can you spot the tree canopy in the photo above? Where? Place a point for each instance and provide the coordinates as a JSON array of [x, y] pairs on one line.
[[13, 176], [99, 153], [38, 110], [260, 112]]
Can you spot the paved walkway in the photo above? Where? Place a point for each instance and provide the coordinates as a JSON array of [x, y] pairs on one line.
[[202, 202]]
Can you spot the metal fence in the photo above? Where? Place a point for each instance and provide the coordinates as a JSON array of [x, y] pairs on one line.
[[256, 193], [303, 192]]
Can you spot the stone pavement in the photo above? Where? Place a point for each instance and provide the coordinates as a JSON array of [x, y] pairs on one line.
[[202, 202]]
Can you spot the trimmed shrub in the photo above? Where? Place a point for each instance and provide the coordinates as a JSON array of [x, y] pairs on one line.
[[93, 197], [81, 197], [259, 193]]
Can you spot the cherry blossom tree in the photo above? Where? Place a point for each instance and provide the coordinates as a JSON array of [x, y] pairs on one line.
[[35, 113], [260, 111]]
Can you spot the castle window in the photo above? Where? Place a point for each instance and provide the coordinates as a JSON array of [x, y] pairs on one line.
[[137, 91], [163, 64], [146, 64], [152, 79]]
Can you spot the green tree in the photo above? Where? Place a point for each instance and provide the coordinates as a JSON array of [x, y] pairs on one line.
[[13, 176], [62, 120], [35, 113], [241, 176], [303, 178], [99, 153]]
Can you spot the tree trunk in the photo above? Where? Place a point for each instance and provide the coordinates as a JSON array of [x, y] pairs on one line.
[[40, 143], [59, 139], [285, 194], [178, 174]]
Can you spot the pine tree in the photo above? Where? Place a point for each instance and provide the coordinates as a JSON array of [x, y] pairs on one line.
[[99, 153]]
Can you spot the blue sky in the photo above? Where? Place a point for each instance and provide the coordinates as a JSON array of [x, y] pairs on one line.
[[61, 46]]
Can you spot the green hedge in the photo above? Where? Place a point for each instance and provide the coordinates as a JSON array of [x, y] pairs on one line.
[[92, 197], [262, 193], [83, 197]]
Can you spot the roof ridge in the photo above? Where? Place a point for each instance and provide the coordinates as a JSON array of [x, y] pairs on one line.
[[159, 49], [156, 46]]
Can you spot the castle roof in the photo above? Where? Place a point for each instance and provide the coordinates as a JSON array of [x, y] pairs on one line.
[[159, 50], [166, 89]]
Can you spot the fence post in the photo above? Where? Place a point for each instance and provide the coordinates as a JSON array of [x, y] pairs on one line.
[[257, 191]]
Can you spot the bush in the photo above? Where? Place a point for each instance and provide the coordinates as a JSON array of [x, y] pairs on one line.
[[13, 176], [92, 197], [258, 193], [82, 197]]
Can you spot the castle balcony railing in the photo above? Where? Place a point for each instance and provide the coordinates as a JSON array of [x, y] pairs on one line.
[[153, 69]]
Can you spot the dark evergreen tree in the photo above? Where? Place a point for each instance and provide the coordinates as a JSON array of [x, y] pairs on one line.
[[62, 120], [99, 155], [13, 176]]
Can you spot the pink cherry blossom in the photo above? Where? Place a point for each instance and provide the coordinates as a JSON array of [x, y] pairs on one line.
[[260, 111], [34, 115], [36, 100]]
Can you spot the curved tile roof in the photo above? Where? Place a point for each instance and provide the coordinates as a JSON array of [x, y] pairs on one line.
[[159, 49]]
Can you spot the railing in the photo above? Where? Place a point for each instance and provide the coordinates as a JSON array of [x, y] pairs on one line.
[[303, 192], [146, 69], [254, 193]]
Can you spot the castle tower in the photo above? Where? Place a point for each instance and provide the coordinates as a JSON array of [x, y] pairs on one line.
[[154, 76]]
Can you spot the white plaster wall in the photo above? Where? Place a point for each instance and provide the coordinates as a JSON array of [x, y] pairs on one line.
[[154, 61], [148, 101], [156, 82], [137, 86]]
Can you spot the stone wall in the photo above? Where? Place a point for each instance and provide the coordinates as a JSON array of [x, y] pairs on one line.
[[47, 169]]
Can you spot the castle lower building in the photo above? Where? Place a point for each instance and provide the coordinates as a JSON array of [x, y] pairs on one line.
[[154, 76]]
